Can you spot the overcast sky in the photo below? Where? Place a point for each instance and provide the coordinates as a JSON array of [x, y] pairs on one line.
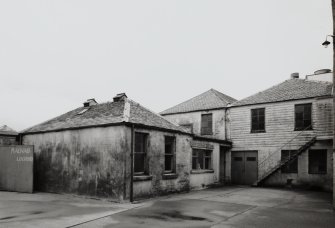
[[56, 54]]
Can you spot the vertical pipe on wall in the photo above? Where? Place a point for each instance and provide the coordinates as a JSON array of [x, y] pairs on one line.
[[131, 195]]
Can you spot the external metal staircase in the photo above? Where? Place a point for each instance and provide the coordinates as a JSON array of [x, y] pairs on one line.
[[282, 163]]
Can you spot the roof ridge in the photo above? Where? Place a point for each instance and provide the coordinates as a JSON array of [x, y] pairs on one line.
[[289, 89], [216, 94], [186, 101]]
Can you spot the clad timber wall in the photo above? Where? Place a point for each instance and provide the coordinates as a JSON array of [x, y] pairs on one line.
[[279, 127], [194, 118]]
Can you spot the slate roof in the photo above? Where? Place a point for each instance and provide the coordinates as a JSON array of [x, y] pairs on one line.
[[211, 99], [5, 130], [292, 89], [104, 114]]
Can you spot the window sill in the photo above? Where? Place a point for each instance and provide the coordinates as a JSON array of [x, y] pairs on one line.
[[255, 132], [142, 178], [202, 171], [169, 176], [322, 173]]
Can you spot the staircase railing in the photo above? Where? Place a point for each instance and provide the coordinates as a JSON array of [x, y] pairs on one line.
[[262, 164]]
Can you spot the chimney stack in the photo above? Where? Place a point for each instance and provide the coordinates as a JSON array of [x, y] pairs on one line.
[[120, 97], [294, 75], [90, 102]]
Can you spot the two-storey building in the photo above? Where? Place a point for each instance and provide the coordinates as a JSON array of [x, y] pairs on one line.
[[283, 135], [205, 115]]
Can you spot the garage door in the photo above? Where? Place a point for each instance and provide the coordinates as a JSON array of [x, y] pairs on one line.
[[244, 167]]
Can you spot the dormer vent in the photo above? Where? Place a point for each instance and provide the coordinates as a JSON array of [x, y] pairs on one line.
[[120, 97]]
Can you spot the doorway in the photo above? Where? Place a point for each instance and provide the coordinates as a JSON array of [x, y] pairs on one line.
[[244, 167], [222, 173]]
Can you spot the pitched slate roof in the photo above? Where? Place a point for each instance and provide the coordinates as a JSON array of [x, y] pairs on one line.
[[292, 89], [211, 99], [5, 130], [104, 114]]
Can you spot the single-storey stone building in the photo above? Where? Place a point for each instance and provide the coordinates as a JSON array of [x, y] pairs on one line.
[[120, 150]]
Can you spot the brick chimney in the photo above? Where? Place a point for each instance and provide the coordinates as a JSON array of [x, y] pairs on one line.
[[90, 102], [294, 75], [120, 97]]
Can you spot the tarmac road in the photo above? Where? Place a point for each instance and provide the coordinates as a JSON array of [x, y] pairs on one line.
[[219, 207]]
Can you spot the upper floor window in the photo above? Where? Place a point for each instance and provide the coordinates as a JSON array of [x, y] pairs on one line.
[[258, 120], [207, 124], [303, 117], [170, 149], [140, 153]]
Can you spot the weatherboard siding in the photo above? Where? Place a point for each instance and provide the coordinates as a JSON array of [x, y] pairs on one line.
[[279, 129], [194, 118]]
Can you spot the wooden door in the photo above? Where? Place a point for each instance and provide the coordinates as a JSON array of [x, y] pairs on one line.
[[244, 167], [222, 164]]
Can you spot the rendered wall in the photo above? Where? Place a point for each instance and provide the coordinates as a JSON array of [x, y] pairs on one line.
[[195, 119], [88, 161], [160, 184], [8, 140]]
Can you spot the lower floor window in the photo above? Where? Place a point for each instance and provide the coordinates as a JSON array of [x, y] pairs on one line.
[[291, 166], [317, 160], [201, 159]]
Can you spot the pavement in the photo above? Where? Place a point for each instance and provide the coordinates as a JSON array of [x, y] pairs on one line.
[[218, 207]]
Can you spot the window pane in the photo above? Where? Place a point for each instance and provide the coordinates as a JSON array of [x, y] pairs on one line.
[[238, 159], [251, 158], [317, 161], [208, 163], [139, 160], [194, 162], [258, 120], [201, 159], [303, 116], [206, 124], [168, 163], [140, 142], [292, 166]]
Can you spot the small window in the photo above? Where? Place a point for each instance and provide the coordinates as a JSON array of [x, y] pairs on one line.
[[238, 159], [251, 158], [292, 166], [140, 153], [201, 159], [317, 160], [170, 149], [257, 120], [303, 117], [207, 124]]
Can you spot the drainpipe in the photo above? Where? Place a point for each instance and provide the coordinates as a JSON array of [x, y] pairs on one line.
[[131, 197]]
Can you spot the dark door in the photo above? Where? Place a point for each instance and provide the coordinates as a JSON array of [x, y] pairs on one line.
[[244, 167], [222, 164]]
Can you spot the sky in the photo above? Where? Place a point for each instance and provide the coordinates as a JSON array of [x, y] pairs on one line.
[[54, 55]]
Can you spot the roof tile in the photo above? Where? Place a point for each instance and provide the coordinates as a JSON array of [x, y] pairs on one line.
[[211, 99], [292, 89]]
